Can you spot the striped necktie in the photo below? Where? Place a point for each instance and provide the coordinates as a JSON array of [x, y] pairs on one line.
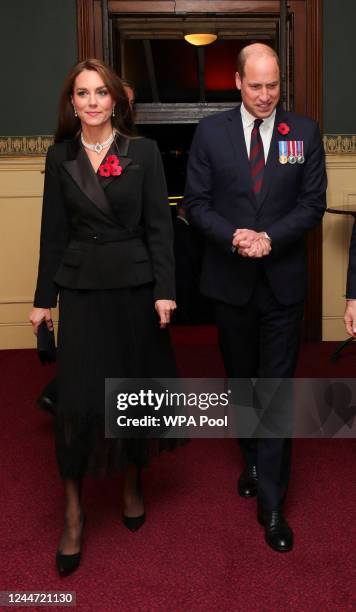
[[257, 157]]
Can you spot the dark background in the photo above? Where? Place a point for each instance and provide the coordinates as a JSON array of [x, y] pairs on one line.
[[339, 66], [38, 45]]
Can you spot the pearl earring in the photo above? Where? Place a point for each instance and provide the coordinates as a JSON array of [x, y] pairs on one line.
[[113, 111], [75, 111]]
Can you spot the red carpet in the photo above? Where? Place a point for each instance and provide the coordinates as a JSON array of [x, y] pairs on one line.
[[201, 548]]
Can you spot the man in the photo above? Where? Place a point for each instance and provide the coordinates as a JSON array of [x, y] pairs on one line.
[[130, 92], [255, 184], [350, 310], [188, 251]]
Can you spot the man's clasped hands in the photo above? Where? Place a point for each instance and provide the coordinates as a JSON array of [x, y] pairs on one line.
[[251, 244]]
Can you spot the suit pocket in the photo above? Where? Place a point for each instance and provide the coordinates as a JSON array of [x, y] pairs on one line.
[[143, 272], [72, 258], [141, 254]]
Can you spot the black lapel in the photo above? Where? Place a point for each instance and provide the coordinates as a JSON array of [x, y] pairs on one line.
[[82, 172], [120, 148], [271, 168], [236, 133]]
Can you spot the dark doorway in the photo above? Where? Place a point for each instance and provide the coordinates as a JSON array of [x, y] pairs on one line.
[[174, 142]]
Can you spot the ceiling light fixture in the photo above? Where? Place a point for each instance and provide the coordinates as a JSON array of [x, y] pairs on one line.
[[200, 39]]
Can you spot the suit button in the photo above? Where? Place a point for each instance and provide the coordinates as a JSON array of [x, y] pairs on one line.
[[94, 237]]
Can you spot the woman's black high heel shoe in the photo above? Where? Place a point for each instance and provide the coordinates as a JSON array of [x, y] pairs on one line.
[[66, 564], [133, 523]]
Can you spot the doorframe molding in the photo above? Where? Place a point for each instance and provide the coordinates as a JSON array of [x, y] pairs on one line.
[[314, 109]]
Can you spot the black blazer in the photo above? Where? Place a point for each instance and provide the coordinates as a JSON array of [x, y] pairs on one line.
[[219, 199], [105, 233]]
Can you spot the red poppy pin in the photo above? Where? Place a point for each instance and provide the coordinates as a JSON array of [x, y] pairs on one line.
[[283, 129], [111, 167]]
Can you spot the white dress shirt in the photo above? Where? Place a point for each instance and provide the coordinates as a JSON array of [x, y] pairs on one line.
[[266, 129]]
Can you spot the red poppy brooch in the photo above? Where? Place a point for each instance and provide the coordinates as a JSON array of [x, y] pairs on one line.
[[111, 167], [283, 129]]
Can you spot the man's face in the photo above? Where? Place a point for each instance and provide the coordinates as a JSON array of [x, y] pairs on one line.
[[260, 88], [130, 95]]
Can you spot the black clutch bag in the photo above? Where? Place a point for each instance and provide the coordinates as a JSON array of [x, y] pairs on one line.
[[46, 344]]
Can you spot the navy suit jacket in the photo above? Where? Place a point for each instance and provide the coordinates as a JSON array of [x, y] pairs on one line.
[[219, 199], [105, 233]]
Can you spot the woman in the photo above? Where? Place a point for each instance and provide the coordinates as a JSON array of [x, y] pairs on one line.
[[106, 248]]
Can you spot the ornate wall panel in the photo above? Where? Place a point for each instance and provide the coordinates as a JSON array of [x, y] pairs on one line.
[[21, 187], [336, 237]]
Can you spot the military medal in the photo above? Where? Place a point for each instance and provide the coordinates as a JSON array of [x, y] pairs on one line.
[[292, 152], [283, 153], [300, 152]]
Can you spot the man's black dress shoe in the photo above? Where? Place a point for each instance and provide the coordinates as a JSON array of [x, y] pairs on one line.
[[247, 483], [278, 534]]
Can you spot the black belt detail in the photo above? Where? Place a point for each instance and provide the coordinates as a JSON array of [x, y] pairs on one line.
[[111, 235]]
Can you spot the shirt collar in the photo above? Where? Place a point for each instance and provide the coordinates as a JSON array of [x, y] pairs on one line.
[[248, 119]]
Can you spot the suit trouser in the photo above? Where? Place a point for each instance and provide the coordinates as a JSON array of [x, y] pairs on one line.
[[261, 340]]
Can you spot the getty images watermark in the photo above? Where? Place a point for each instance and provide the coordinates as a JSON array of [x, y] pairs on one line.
[[230, 408]]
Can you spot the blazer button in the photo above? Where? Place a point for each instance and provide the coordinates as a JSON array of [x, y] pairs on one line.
[[94, 237]]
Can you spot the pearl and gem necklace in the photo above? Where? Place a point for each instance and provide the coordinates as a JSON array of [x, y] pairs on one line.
[[99, 146]]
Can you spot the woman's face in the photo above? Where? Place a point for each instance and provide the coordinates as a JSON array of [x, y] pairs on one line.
[[91, 99]]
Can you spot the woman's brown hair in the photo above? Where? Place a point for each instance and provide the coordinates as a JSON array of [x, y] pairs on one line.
[[69, 125]]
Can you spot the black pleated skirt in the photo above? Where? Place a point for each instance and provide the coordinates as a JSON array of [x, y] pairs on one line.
[[111, 333]]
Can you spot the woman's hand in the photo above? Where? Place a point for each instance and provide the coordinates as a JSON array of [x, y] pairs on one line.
[[164, 309], [37, 315]]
